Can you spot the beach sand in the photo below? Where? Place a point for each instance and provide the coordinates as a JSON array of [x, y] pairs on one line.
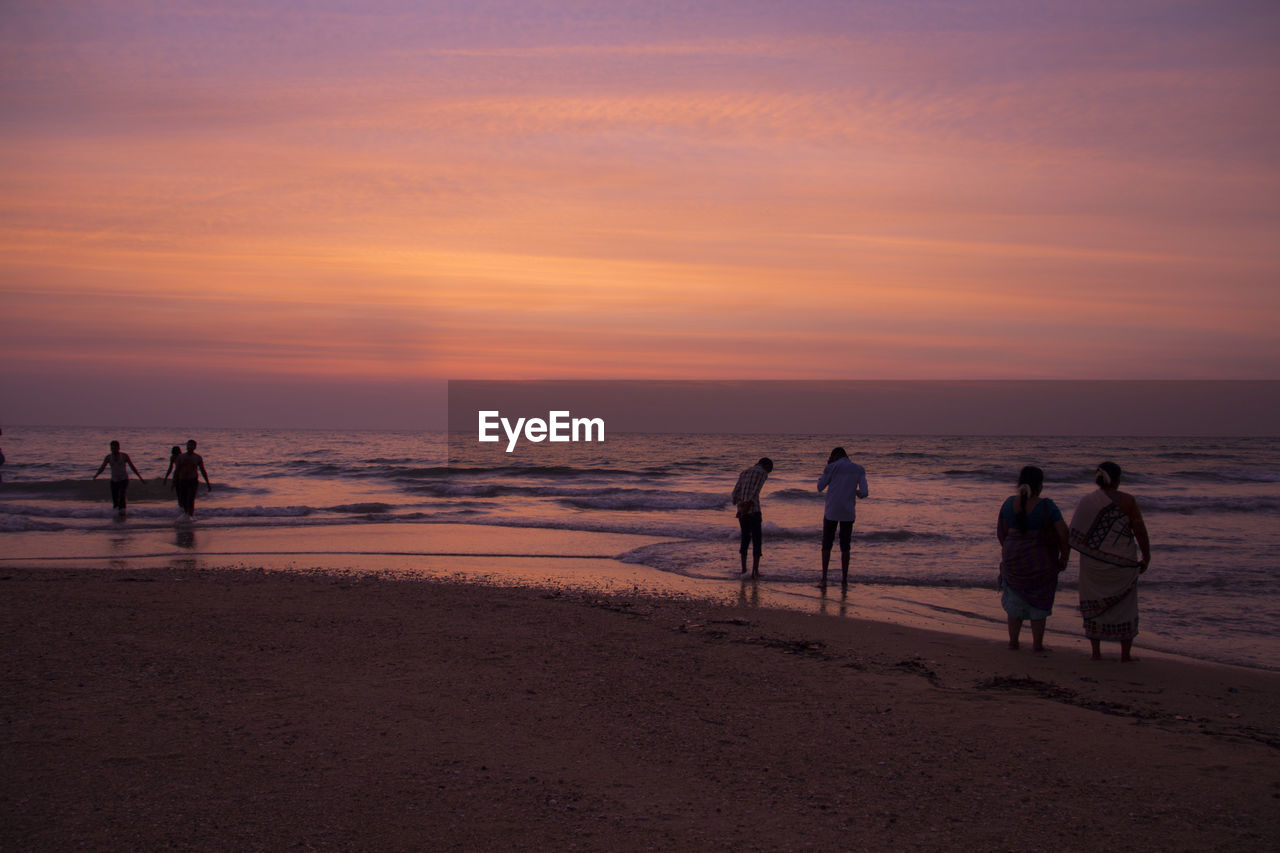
[[207, 709]]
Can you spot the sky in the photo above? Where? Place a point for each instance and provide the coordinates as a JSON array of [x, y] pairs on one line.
[[315, 213]]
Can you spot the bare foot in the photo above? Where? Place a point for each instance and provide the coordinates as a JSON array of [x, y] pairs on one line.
[[1041, 649], [1013, 645]]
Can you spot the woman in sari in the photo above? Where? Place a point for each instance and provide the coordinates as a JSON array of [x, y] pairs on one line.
[[1033, 551], [1108, 531]]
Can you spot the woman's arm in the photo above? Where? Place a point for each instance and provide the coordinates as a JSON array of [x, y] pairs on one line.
[[1140, 532], [1129, 504], [1064, 543]]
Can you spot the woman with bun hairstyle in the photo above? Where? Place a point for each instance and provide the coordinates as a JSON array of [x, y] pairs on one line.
[[1108, 531], [1033, 552]]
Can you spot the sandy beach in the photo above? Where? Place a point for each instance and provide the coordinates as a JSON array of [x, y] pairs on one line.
[[251, 710]]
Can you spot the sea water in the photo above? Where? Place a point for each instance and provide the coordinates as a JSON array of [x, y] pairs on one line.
[[925, 536]]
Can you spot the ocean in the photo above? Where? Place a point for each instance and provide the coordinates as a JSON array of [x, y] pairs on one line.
[[924, 540]]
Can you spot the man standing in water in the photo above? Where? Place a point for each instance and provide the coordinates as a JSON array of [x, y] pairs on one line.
[[120, 464], [186, 478], [746, 496], [844, 481]]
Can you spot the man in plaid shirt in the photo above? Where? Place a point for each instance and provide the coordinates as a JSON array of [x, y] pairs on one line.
[[746, 496]]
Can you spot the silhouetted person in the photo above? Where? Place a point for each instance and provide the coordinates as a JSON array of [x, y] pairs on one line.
[[844, 481], [174, 453], [1034, 550], [746, 496], [1111, 537], [120, 464], [186, 478]]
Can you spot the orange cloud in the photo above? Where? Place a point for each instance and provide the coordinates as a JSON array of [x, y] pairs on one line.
[[886, 201]]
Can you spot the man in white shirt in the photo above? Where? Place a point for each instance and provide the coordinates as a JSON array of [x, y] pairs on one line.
[[844, 481]]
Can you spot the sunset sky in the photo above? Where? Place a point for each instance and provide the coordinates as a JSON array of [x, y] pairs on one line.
[[313, 213]]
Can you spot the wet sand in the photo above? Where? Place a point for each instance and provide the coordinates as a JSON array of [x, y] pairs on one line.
[[209, 709], [582, 561]]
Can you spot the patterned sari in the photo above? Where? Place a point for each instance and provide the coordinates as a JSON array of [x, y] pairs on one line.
[[1103, 536]]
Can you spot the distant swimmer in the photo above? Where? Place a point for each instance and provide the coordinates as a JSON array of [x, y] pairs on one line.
[[844, 481], [746, 496], [186, 478], [120, 464], [174, 453]]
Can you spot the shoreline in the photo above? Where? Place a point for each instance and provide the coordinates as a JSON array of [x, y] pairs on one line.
[[487, 554], [262, 709]]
